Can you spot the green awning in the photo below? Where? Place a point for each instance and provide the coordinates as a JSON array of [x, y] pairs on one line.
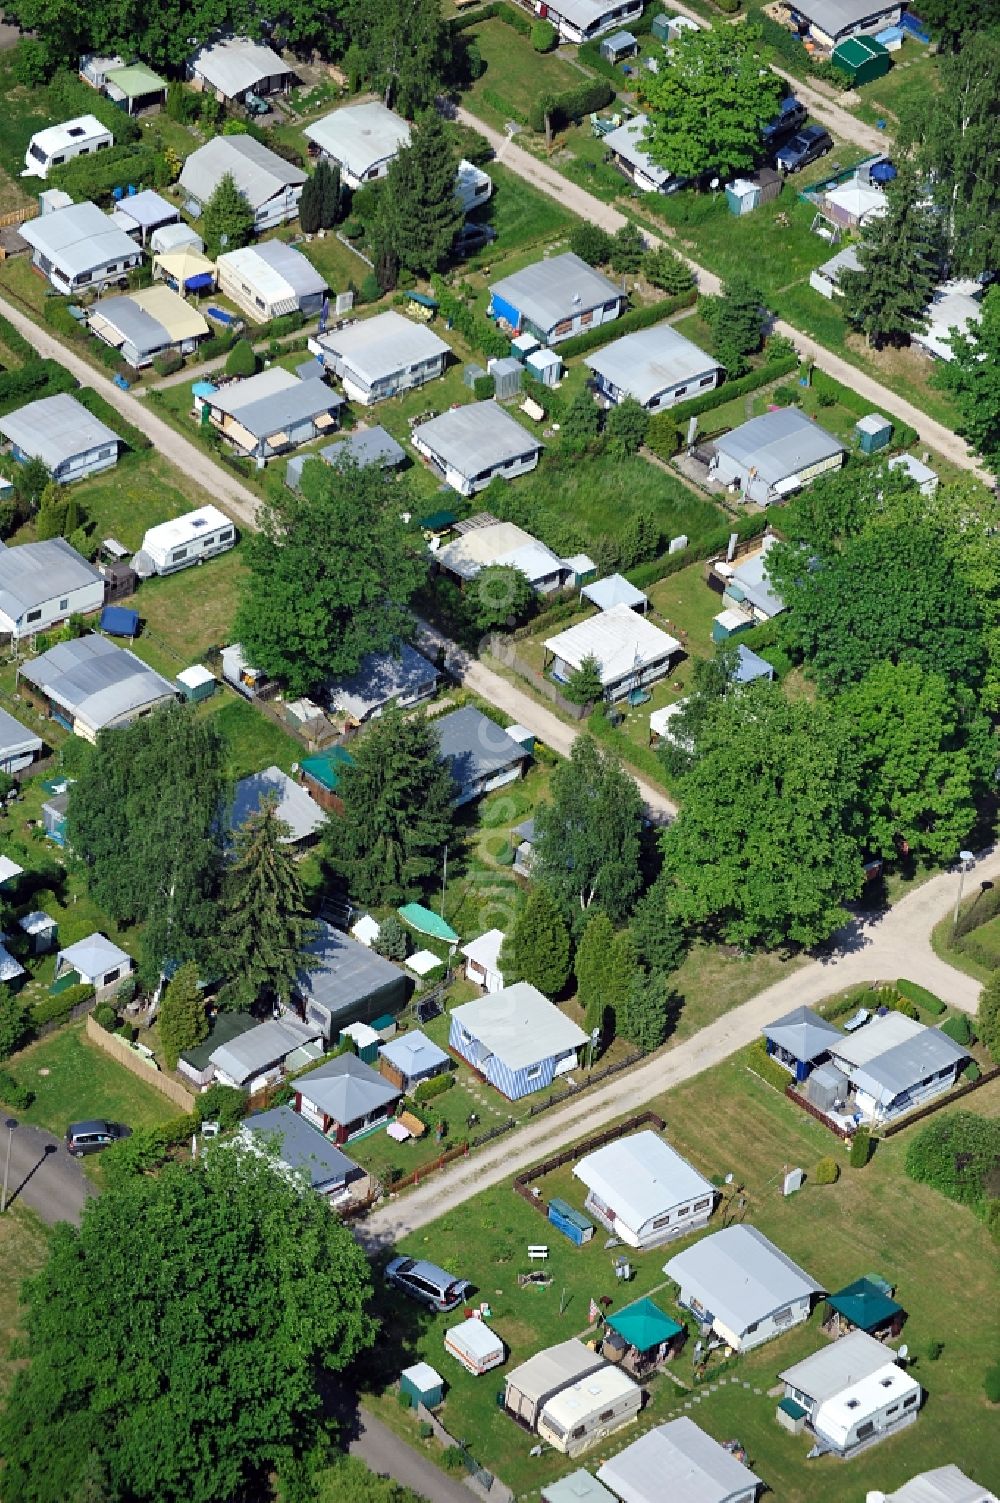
[[327, 767], [423, 299], [864, 1305], [793, 1410], [425, 922], [438, 521], [136, 81], [644, 1325]]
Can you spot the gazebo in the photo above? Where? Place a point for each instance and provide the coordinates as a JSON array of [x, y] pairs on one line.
[[865, 1305], [641, 1337]]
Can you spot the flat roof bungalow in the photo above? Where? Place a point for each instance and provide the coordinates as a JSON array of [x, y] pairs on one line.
[[80, 247], [644, 1191], [262, 1055], [140, 215], [853, 1394], [271, 186], [772, 455], [302, 1152], [43, 583], [18, 746], [56, 144], [485, 542], [580, 20], [236, 66], [269, 280], [680, 1462], [382, 356], [141, 325], [482, 756], [410, 1058], [657, 367], [89, 685], [800, 1041], [362, 446], [272, 412], [832, 21], [303, 818], [895, 1064], [555, 298], [626, 147], [363, 140], [345, 1097], [403, 677], [530, 1386], [344, 982], [516, 1038], [942, 1484], [630, 651], [743, 1287], [472, 445], [63, 434]]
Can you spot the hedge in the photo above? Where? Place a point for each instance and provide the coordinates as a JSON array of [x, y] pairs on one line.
[[985, 906], [921, 996], [34, 380], [763, 375], [99, 408], [497, 11], [428, 1089], [15, 341], [958, 1029], [636, 318], [13, 1093], [760, 1062], [571, 104], [96, 175], [56, 1009]]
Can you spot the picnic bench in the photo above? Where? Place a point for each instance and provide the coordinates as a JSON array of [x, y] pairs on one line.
[[538, 1253]]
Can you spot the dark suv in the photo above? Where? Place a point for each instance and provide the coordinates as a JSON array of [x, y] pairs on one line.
[[92, 1137], [427, 1283], [792, 116], [806, 147]]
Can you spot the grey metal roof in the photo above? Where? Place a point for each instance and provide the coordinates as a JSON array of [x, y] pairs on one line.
[[628, 141], [837, 1366], [346, 1088], [778, 444], [93, 956], [301, 1146], [236, 64], [750, 666], [382, 677], [578, 1487], [224, 1027], [650, 361], [803, 1033], [95, 681], [258, 172], [32, 573], [376, 348], [148, 209], [366, 446], [844, 260], [55, 429], [905, 1065], [751, 577], [275, 400], [740, 1276], [520, 1025], [642, 1176], [680, 1462], [136, 326], [413, 1053], [584, 13], [836, 16], [259, 1048], [268, 260], [554, 1368], [475, 746], [476, 437], [615, 590], [561, 287], [295, 808], [942, 1484], [341, 973], [360, 135], [78, 239]]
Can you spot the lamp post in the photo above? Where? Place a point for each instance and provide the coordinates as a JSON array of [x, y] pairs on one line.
[[10, 1125], [967, 861]]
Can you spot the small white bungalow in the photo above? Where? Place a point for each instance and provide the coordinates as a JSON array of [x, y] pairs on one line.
[[482, 960], [643, 1191], [94, 961]]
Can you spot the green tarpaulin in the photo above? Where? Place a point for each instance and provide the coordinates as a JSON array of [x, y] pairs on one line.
[[644, 1325], [425, 922], [326, 768]]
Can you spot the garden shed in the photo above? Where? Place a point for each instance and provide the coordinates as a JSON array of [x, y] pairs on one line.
[[422, 1384], [862, 59], [618, 46], [196, 683], [874, 432]]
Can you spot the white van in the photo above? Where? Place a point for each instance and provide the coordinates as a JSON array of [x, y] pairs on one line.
[[61, 143]]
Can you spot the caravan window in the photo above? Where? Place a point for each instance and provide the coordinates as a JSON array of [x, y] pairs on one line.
[[608, 1414], [178, 554], [33, 616], [868, 1428], [225, 537]]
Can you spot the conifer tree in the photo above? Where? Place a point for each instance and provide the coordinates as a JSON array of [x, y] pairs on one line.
[[328, 174], [227, 220], [310, 203], [421, 212], [593, 965], [900, 256], [51, 519], [537, 947], [181, 1020], [265, 928]]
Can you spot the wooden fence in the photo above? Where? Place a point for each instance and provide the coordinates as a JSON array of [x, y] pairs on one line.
[[19, 216], [504, 650], [946, 1099], [571, 1155], [120, 1051]]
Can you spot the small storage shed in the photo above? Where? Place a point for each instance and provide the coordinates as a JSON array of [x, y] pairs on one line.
[[862, 59], [474, 1345], [196, 683], [744, 194], [365, 1040], [826, 1086], [874, 432], [506, 375], [546, 366], [618, 46], [40, 929], [661, 28], [422, 1384], [573, 1224]]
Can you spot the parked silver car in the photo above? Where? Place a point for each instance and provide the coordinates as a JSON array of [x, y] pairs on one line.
[[427, 1283]]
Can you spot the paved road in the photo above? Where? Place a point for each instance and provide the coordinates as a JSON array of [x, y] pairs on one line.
[[895, 944], [224, 488], [382, 1451], [579, 201], [44, 1176]]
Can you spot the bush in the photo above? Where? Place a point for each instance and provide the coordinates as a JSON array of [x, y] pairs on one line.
[[167, 363], [636, 318], [544, 36], [991, 1383], [217, 344], [591, 243], [370, 290], [105, 1014], [97, 175], [861, 1148], [436, 1086], [56, 1009], [958, 1029], [972, 1071], [241, 360], [933, 1350], [956, 1154], [453, 1457], [223, 1104], [424, 1430], [482, 388], [14, 1094], [35, 379], [760, 1062], [663, 436], [826, 1172], [286, 323], [923, 998], [784, 396]]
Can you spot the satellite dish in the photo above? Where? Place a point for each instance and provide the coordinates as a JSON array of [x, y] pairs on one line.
[[729, 1179], [903, 1353], [967, 856]]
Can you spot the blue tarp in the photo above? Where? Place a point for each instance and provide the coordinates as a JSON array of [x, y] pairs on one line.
[[500, 308], [200, 283], [120, 621]]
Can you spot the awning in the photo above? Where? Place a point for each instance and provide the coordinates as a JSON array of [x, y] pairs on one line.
[[425, 922], [100, 326], [119, 621], [325, 420], [277, 440], [644, 1325]]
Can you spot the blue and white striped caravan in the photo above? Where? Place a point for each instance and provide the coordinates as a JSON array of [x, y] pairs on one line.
[[516, 1038]]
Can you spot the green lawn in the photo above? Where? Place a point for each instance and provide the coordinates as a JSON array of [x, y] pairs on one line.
[[339, 266], [520, 215], [515, 74], [937, 1254], [254, 740], [914, 72], [187, 613], [24, 1243]]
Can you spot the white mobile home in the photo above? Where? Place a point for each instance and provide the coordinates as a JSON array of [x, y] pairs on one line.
[[271, 186], [469, 446], [63, 434], [269, 280], [657, 367], [626, 148], [895, 1064], [188, 539], [56, 144], [643, 1191], [79, 248], [530, 1387], [362, 139], [233, 67], [741, 1286], [852, 1393], [555, 298], [679, 1462], [578, 1417], [629, 650], [381, 356], [43, 583], [771, 456], [581, 20]]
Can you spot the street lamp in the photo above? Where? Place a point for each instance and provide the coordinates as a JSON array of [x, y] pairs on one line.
[[10, 1125], [967, 861]]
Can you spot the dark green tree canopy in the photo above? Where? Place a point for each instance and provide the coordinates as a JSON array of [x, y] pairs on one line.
[[973, 377], [183, 1337], [227, 219], [330, 574], [537, 945], [264, 927], [901, 255], [403, 49], [500, 595], [422, 213]]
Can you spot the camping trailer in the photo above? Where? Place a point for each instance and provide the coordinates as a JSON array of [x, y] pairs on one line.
[[474, 1345], [188, 539], [579, 1416], [531, 1386]]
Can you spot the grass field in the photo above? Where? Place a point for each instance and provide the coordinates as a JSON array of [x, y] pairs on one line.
[[515, 73], [914, 72], [937, 1255], [23, 1246]]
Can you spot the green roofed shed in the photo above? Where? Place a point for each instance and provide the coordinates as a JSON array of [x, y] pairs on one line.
[[425, 922], [865, 1306], [861, 58], [644, 1325]]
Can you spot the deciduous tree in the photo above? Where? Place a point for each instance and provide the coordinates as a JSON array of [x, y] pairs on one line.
[[587, 837], [264, 926], [625, 427], [901, 256], [15, 1022], [582, 422], [737, 319], [181, 1019], [404, 47], [973, 377], [591, 243], [500, 595], [398, 813]]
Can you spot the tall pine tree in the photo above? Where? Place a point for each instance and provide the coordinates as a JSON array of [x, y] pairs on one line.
[[397, 799], [181, 1019], [593, 965], [536, 948], [265, 929], [422, 213], [328, 174], [900, 256]]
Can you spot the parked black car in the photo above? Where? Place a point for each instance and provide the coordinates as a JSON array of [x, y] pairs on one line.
[[474, 237], [806, 147], [92, 1137], [791, 117]]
